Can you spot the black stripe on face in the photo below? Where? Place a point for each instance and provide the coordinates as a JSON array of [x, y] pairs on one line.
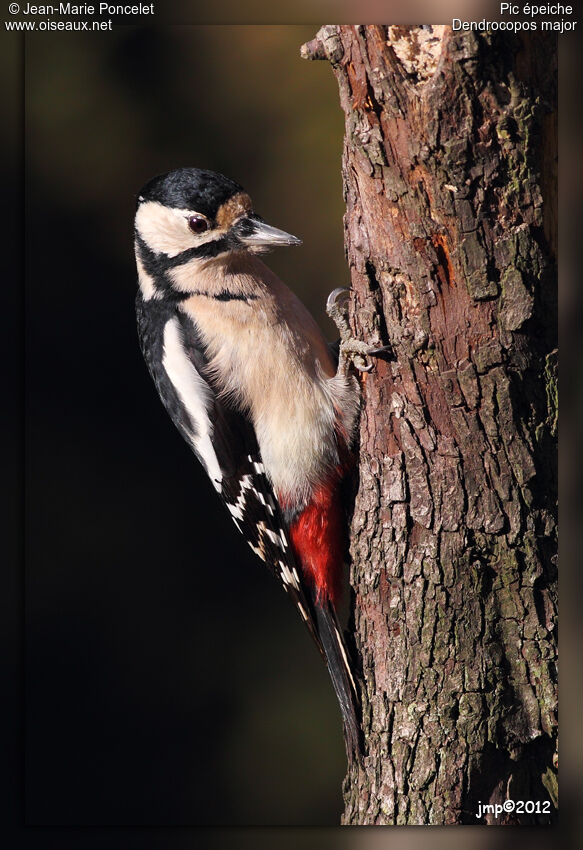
[[158, 265], [163, 262], [207, 250]]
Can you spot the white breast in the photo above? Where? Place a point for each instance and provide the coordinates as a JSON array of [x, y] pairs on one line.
[[269, 355], [288, 400]]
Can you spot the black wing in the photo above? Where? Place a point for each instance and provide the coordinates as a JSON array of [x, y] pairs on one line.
[[224, 440]]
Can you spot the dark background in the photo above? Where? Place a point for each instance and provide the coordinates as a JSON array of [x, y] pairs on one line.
[[167, 678], [118, 656]]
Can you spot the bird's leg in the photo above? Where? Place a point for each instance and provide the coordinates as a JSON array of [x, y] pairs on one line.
[[352, 350]]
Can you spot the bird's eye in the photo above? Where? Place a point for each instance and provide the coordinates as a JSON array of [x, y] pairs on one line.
[[198, 224]]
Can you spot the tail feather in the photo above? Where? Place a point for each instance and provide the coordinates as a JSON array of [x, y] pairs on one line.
[[338, 663]]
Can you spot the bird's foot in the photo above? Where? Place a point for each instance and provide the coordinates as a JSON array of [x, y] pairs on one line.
[[352, 351]]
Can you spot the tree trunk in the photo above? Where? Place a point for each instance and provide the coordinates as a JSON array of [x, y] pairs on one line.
[[450, 182]]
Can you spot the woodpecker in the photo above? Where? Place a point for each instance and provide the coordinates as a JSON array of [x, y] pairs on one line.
[[248, 379]]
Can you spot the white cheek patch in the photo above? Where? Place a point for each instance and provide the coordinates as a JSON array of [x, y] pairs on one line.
[[166, 231], [194, 393]]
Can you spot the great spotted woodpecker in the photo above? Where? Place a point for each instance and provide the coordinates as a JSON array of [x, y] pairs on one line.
[[250, 382]]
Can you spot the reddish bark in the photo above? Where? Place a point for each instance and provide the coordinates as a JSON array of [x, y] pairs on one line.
[[450, 181]]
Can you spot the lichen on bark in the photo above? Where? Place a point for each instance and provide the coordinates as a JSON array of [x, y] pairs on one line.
[[450, 188]]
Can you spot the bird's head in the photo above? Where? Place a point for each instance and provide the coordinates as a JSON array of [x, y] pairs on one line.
[[193, 214]]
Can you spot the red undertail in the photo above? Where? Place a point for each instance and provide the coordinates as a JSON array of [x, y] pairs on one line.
[[317, 537]]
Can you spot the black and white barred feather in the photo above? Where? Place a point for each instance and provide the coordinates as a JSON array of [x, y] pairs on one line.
[[231, 458]]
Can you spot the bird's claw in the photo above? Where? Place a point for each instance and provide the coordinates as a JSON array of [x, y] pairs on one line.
[[339, 293], [337, 309], [351, 350]]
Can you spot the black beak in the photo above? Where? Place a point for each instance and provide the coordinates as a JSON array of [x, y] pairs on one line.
[[254, 233]]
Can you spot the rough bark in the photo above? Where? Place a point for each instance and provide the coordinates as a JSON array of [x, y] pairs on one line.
[[450, 186]]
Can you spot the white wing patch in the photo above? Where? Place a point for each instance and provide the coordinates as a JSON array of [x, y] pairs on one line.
[[194, 394]]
